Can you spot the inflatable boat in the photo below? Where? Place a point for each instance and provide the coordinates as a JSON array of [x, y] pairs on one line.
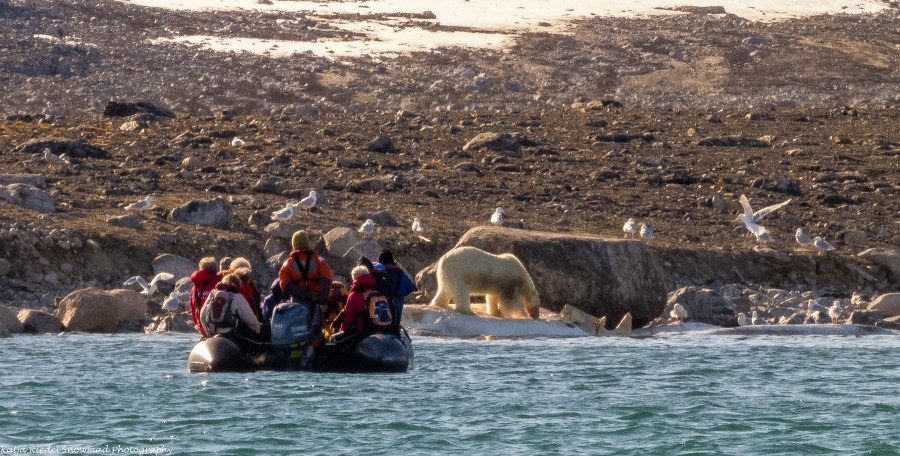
[[292, 347]]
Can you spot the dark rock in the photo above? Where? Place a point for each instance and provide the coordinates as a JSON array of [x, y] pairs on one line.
[[704, 305], [29, 197], [382, 218], [866, 317], [497, 142], [732, 141], [59, 146], [366, 185], [215, 212], [120, 109], [623, 137], [132, 221], [269, 184], [382, 144], [38, 322]]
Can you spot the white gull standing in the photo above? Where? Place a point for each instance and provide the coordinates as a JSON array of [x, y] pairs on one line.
[[310, 201], [237, 142], [834, 312], [743, 320], [757, 320], [50, 157], [141, 205], [149, 288], [802, 238], [368, 227], [497, 216], [822, 245], [283, 215], [630, 227], [679, 313], [417, 225], [172, 303], [646, 232]]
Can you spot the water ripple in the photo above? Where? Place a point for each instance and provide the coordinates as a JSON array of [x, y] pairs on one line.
[[678, 395]]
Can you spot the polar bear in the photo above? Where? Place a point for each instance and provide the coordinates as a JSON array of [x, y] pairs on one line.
[[508, 289]]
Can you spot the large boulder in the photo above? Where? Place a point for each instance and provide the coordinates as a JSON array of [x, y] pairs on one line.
[[59, 146], [173, 264], [126, 109], [29, 197], [886, 258], [215, 212], [171, 323], [369, 248], [493, 141], [93, 310], [38, 322], [31, 179], [889, 303], [10, 320], [704, 306], [596, 275], [339, 240]]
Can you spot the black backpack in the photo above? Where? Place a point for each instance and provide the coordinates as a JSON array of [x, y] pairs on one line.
[[379, 314], [384, 285]]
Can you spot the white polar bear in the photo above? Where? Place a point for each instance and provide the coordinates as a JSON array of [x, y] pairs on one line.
[[508, 289]]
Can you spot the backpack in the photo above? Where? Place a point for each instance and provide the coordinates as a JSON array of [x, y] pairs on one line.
[[384, 285], [379, 314], [220, 312]]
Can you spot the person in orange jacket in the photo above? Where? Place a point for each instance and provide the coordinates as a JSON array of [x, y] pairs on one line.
[[304, 276]]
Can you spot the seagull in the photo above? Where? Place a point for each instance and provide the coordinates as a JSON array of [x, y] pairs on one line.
[[368, 227], [237, 142], [757, 320], [150, 288], [52, 158], [743, 320], [285, 214], [497, 216], [417, 225], [762, 213], [758, 231], [629, 227], [822, 245], [307, 203], [679, 313], [141, 205], [802, 238], [646, 232], [172, 303], [834, 312]]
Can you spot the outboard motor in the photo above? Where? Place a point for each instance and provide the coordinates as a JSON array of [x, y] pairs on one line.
[[215, 354], [292, 333]]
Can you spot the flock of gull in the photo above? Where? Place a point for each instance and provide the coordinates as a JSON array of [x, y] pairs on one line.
[[749, 217]]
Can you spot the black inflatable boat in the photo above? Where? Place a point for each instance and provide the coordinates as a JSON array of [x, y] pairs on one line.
[[371, 353], [293, 330]]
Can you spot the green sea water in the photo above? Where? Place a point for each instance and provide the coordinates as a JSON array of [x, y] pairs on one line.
[[132, 394]]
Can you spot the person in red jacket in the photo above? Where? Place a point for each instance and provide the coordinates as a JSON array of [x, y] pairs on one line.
[[363, 282], [204, 281], [248, 290]]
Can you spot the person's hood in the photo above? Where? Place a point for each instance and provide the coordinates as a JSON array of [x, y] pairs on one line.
[[364, 282], [203, 276]]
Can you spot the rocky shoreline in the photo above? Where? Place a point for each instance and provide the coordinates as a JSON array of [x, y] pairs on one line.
[[664, 119]]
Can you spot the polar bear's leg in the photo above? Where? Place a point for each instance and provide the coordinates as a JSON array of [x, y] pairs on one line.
[[460, 292], [510, 306], [442, 296], [491, 305]]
